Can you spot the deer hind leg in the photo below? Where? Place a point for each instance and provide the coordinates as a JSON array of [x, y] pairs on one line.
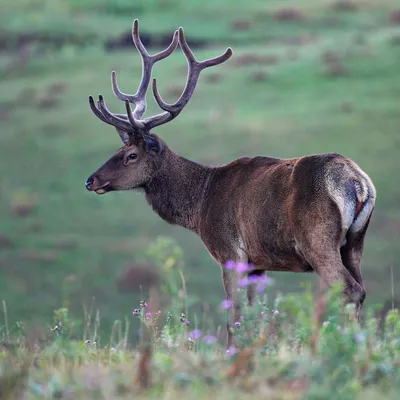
[[352, 251], [320, 245], [331, 270], [327, 263]]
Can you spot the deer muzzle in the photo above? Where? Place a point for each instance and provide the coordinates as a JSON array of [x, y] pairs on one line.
[[94, 184]]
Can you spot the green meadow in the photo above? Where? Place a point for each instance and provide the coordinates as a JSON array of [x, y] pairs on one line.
[[306, 77]]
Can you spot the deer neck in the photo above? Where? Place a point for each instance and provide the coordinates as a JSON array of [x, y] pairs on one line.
[[177, 191]]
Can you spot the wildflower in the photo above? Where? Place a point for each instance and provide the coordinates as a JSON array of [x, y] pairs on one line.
[[143, 303], [136, 312], [195, 334], [148, 315], [243, 282], [231, 351], [186, 322], [325, 323], [260, 288], [262, 313], [238, 324], [230, 265], [276, 312], [262, 283], [60, 323], [253, 279], [209, 339], [242, 267], [87, 341], [226, 304]]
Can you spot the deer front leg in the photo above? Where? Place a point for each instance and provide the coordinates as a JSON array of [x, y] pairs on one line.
[[230, 279]]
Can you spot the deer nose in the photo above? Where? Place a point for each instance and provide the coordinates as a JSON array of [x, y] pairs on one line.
[[89, 182]]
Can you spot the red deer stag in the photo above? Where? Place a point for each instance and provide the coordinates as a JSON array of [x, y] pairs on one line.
[[303, 214]]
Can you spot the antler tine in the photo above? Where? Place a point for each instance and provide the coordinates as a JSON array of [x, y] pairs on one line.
[[195, 67], [138, 124], [113, 119], [96, 111], [139, 98]]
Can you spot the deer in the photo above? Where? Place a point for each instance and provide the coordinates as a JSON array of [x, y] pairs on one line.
[[305, 214]]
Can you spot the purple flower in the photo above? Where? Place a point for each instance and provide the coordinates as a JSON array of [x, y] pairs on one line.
[[238, 324], [231, 351], [243, 282], [148, 315], [143, 303], [135, 313], [262, 313], [186, 322], [241, 317], [253, 279], [230, 265], [260, 281], [242, 267], [276, 312], [60, 323], [87, 341], [209, 339], [226, 304], [195, 334], [260, 288]]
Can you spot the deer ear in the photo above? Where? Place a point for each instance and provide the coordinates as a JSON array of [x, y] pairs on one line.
[[153, 145], [123, 135]]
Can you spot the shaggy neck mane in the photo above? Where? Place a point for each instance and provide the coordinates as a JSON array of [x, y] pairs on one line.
[[177, 191]]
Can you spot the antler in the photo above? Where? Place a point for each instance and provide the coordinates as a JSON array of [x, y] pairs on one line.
[[195, 67], [132, 123]]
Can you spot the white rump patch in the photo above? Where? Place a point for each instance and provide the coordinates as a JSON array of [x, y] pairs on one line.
[[347, 208], [361, 190], [362, 217]]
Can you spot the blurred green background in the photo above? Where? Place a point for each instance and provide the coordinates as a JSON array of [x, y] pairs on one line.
[[306, 77]]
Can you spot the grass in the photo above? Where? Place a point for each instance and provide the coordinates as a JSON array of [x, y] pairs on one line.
[[327, 82], [293, 347]]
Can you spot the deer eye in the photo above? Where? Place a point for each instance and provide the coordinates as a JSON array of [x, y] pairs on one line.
[[132, 156]]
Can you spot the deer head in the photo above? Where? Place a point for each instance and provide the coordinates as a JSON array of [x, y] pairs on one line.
[[142, 153]]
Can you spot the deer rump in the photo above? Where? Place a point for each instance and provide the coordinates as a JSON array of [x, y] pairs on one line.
[[261, 209]]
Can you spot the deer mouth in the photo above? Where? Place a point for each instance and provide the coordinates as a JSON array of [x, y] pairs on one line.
[[102, 189]]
